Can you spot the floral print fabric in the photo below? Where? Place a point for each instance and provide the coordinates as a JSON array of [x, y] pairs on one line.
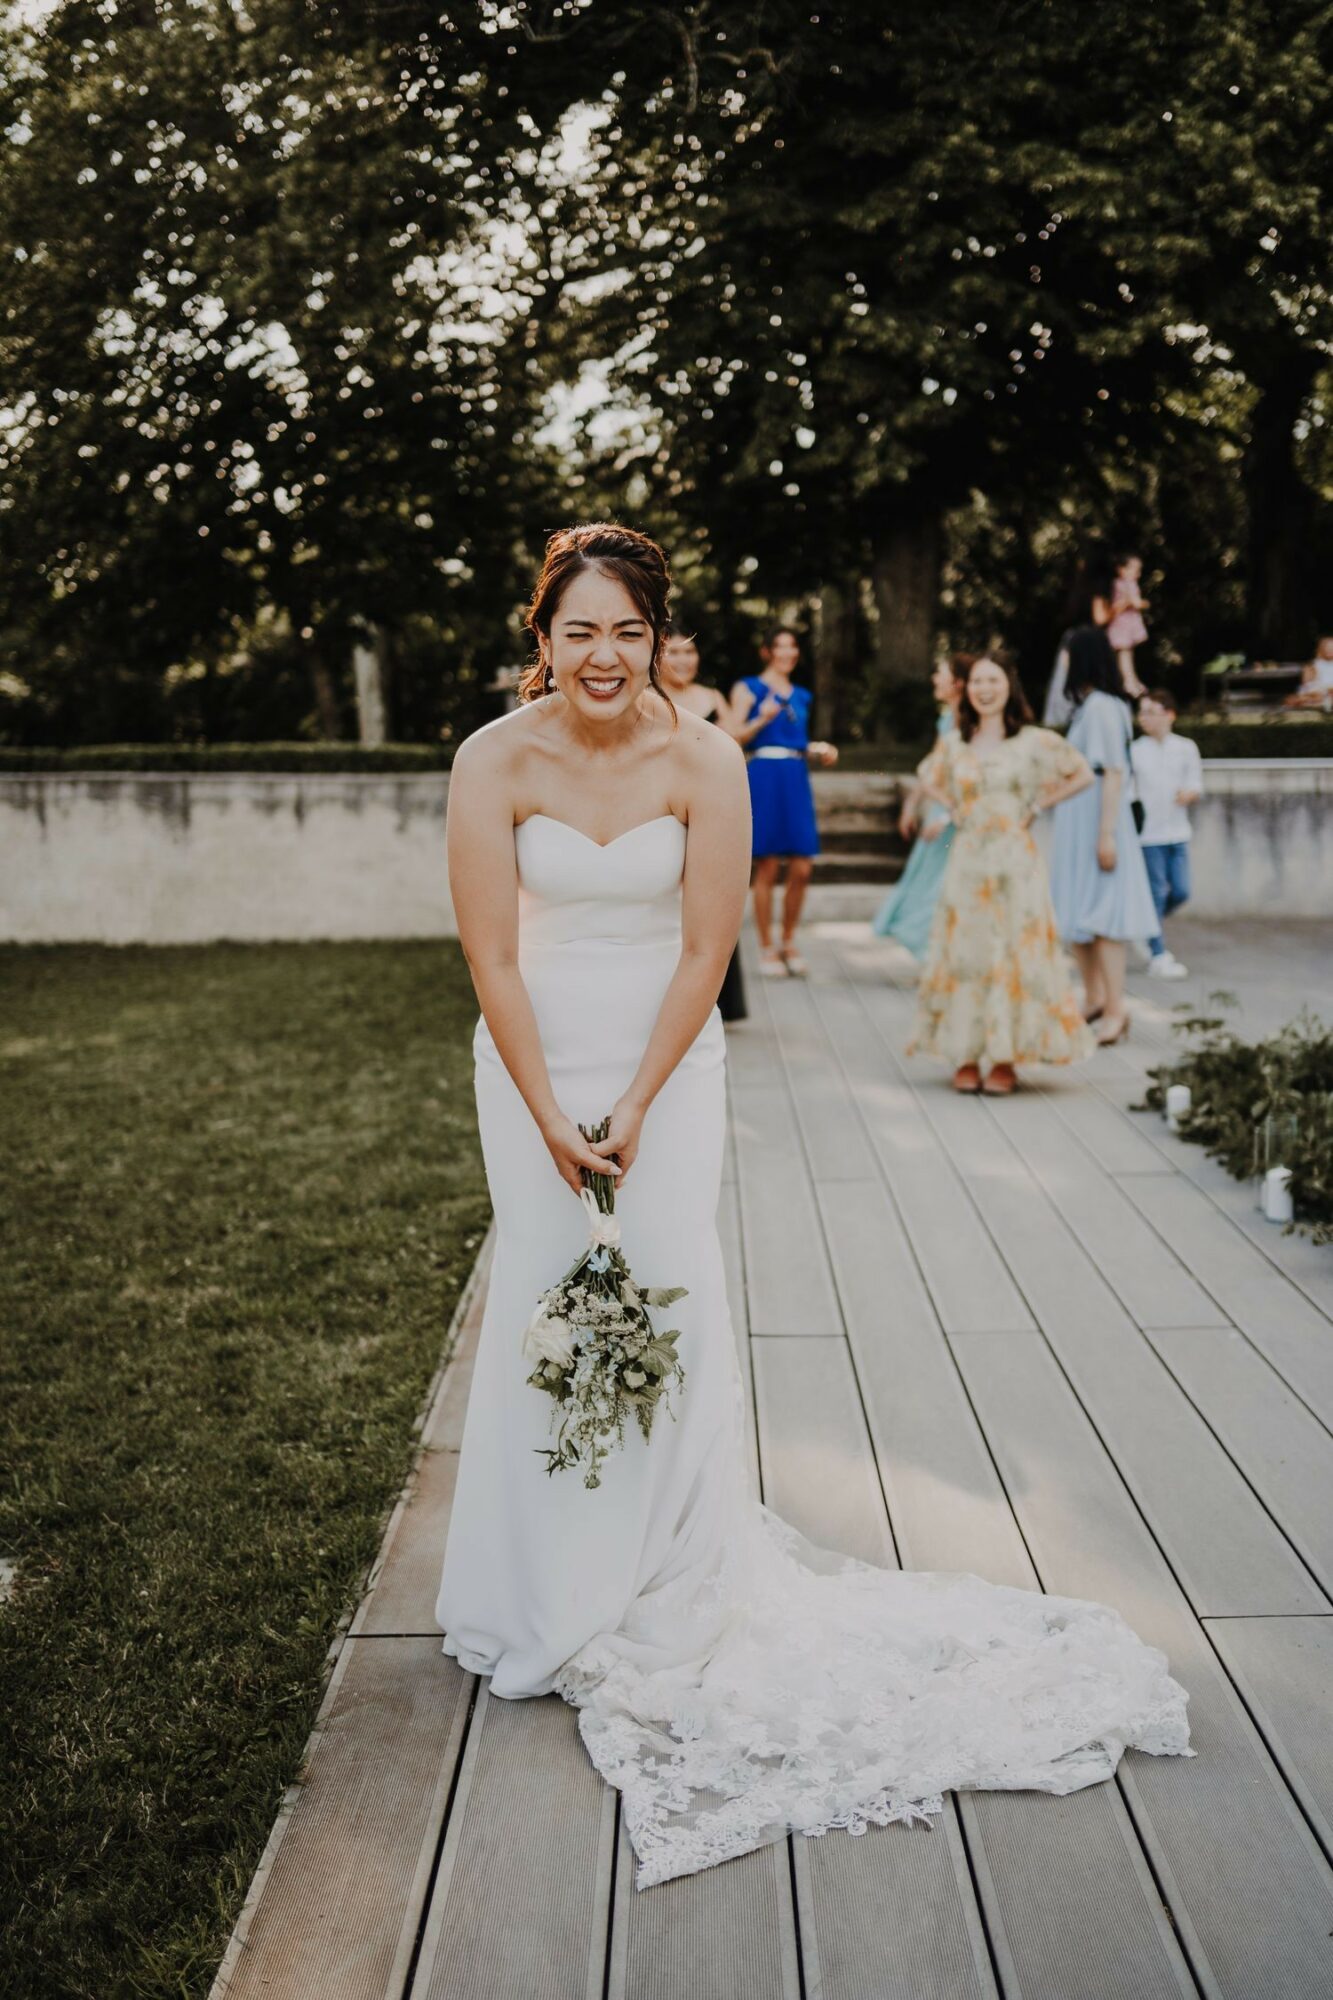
[[994, 987]]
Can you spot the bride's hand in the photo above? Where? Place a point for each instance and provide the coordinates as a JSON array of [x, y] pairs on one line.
[[622, 1141], [572, 1153]]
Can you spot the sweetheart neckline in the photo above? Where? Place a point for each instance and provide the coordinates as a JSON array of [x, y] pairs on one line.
[[601, 845]]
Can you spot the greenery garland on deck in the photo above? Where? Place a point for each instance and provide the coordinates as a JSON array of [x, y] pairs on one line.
[[1237, 1086]]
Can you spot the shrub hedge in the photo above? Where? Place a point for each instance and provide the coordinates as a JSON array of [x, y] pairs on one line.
[[1265, 739], [288, 757]]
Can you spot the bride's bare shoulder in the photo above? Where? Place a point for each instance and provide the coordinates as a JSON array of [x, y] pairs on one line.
[[501, 748], [703, 750]]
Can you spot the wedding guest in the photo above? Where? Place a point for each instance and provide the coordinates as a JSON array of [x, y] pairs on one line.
[[994, 989], [679, 668], [771, 719], [907, 913], [1127, 630], [1169, 774], [1099, 883], [1089, 604], [1316, 688]]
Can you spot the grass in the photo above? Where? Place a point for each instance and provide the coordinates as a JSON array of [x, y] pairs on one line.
[[245, 1192]]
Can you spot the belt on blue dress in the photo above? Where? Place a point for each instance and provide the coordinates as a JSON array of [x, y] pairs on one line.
[[771, 750]]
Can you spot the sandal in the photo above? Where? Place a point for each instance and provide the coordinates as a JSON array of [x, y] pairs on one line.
[[794, 963], [772, 964], [1001, 1082], [967, 1078]]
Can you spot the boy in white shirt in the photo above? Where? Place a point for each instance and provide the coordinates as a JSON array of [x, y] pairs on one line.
[[1169, 775]]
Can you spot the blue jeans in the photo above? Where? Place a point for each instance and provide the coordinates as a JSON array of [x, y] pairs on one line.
[[1168, 865]]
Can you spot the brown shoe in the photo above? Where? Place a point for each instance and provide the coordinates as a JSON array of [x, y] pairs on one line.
[[1001, 1082], [967, 1078]]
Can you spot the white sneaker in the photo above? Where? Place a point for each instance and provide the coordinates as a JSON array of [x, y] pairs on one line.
[[1165, 965]]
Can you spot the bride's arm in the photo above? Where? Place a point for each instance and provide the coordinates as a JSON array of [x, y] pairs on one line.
[[717, 874], [483, 882]]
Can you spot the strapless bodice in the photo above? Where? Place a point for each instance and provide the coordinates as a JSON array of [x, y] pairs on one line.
[[573, 891], [599, 937]]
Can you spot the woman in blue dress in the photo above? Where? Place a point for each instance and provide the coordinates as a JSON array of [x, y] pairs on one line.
[[1099, 882], [910, 906], [771, 719]]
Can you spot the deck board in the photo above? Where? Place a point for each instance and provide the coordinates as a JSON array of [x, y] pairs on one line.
[[337, 1909], [787, 1280], [950, 1512], [1285, 1452], [1270, 1310], [1226, 1550], [522, 1897], [1254, 1903], [1284, 1670], [1044, 1341], [1141, 1268], [968, 1282]]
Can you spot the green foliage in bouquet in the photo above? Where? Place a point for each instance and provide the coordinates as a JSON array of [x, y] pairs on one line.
[[594, 1345], [1239, 1091]]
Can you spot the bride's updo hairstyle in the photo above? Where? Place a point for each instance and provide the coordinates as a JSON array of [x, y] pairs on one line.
[[634, 560]]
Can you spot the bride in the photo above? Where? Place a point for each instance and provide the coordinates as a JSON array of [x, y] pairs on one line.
[[732, 1679]]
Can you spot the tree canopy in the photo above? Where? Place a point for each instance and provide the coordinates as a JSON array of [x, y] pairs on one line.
[[318, 317]]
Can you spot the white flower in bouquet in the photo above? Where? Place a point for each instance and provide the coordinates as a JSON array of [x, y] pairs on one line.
[[548, 1338]]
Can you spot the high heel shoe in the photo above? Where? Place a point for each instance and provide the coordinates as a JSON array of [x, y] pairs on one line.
[[1121, 1034]]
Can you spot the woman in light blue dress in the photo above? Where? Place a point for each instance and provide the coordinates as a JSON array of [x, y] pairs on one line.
[[1099, 882], [910, 905]]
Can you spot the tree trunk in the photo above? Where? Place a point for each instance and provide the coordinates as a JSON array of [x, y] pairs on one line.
[[325, 688], [906, 556], [1282, 526], [372, 667], [835, 656]]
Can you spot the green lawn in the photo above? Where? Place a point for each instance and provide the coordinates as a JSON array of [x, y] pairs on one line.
[[244, 1192]]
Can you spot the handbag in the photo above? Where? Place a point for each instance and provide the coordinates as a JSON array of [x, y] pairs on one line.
[[1138, 812]]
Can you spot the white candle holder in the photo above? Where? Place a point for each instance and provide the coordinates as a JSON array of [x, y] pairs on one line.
[[1278, 1206], [1177, 1104]]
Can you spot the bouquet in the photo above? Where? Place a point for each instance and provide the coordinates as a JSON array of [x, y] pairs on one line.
[[593, 1345]]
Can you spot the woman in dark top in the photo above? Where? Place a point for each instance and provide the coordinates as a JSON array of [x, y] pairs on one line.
[[679, 668]]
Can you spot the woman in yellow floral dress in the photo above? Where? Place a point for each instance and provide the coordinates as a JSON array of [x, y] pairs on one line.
[[994, 988]]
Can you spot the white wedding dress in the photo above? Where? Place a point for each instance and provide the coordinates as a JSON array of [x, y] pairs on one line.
[[731, 1679]]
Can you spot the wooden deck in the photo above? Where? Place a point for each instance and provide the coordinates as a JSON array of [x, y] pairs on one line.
[[1040, 1340]]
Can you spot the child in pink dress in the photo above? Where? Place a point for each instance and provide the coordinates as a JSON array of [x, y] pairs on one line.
[[1127, 629]]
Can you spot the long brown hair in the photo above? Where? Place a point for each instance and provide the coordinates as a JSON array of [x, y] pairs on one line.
[[1016, 710], [634, 560]]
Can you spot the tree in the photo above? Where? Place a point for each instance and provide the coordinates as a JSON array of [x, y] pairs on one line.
[[249, 352], [865, 272]]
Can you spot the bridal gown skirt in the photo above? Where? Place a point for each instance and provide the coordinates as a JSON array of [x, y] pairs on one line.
[[732, 1679]]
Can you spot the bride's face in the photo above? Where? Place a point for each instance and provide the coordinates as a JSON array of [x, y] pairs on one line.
[[600, 647]]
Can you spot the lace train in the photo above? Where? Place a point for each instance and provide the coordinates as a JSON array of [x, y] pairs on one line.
[[812, 1691]]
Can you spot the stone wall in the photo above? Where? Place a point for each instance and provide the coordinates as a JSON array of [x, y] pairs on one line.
[[180, 859], [1263, 839], [139, 858]]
